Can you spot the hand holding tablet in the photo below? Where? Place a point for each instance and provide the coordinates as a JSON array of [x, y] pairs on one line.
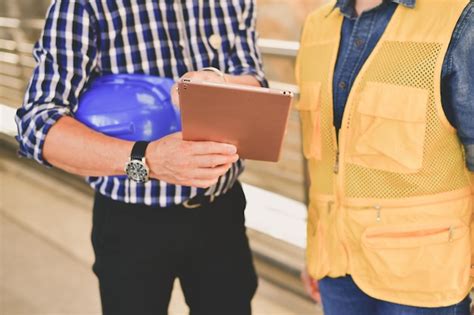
[[253, 119]]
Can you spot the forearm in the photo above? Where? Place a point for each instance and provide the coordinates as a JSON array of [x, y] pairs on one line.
[[73, 147]]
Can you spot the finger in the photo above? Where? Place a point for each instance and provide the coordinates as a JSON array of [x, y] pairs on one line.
[[210, 76], [206, 161], [189, 75], [208, 147], [315, 293], [306, 283], [176, 135], [175, 95], [204, 76], [317, 297], [314, 284], [311, 286], [210, 173], [307, 289]]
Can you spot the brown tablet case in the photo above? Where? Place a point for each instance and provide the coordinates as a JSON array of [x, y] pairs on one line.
[[253, 119]]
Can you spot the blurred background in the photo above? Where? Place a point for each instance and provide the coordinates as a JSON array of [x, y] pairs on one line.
[[45, 215]]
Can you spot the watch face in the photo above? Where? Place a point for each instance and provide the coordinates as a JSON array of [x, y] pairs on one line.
[[137, 171]]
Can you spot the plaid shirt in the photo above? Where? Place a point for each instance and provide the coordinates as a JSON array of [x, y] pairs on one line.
[[83, 39]]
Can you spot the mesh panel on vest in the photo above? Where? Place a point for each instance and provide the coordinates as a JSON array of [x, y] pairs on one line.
[[410, 64], [322, 177], [322, 169]]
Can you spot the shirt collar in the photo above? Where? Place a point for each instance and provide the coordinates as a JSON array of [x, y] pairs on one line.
[[347, 6]]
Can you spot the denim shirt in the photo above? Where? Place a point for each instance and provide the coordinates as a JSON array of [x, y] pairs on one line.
[[359, 37]]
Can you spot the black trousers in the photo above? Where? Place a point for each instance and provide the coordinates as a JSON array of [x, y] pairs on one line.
[[141, 250]]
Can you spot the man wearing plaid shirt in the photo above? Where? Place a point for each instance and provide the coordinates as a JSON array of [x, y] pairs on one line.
[[145, 235]]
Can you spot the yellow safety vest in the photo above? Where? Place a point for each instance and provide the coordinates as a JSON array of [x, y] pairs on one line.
[[390, 202]]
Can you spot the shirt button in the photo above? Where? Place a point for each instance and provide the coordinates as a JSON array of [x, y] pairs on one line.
[[342, 85], [215, 41], [359, 42]]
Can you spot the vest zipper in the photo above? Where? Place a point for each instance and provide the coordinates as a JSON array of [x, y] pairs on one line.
[[336, 164], [451, 233], [378, 211], [378, 208]]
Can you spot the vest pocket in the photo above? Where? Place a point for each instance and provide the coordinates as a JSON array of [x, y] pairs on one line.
[[418, 258], [316, 255], [310, 113], [389, 128], [325, 255]]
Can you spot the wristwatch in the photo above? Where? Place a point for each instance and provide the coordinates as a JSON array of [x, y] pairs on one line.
[[136, 168]]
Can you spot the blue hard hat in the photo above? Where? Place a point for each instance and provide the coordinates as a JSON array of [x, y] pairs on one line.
[[130, 106]]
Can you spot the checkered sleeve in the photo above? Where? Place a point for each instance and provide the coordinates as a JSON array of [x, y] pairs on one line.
[[246, 58], [65, 55]]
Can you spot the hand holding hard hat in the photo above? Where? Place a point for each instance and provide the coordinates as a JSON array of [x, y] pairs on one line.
[[138, 107]]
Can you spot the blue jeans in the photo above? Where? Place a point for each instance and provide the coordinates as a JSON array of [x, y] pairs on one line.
[[341, 296]]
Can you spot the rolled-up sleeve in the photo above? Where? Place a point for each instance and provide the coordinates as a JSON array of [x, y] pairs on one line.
[[246, 58], [65, 55]]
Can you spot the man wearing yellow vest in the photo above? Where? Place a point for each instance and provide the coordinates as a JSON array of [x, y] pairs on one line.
[[387, 107]]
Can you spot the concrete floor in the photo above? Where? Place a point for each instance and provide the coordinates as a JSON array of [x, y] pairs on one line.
[[46, 255]]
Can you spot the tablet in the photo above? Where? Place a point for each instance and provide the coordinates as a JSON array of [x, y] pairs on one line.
[[251, 118]]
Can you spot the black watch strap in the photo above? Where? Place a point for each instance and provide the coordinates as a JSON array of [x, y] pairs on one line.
[[138, 150]]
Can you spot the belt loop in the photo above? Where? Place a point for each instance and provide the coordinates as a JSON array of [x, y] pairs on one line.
[[187, 204]]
